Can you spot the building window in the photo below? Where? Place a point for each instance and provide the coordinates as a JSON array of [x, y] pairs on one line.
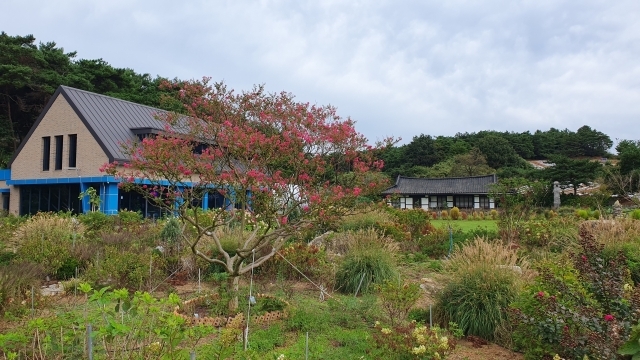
[[59, 142], [43, 198], [73, 150], [442, 202], [464, 201], [46, 152], [484, 202], [417, 203]]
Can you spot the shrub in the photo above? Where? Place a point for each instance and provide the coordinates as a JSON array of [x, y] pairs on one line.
[[484, 281], [493, 213], [413, 341], [95, 222], [414, 221], [577, 307], [455, 213], [397, 298], [464, 215], [434, 215], [126, 268], [370, 260], [47, 239], [444, 214], [129, 218], [310, 259], [635, 214]]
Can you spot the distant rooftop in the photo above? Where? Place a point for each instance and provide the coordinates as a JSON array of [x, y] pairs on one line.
[[442, 186]]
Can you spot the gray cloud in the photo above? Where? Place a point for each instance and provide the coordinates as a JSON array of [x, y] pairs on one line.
[[397, 68]]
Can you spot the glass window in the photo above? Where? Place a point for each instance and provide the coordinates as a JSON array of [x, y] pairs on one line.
[[484, 202], [46, 152], [73, 149], [463, 201], [59, 142]]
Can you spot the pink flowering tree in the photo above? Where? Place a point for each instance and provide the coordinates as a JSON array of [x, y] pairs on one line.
[[276, 162]]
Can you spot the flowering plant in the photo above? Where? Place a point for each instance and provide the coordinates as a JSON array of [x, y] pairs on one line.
[[413, 341]]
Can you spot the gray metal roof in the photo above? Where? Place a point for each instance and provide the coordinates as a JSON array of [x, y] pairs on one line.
[[442, 186], [110, 120]]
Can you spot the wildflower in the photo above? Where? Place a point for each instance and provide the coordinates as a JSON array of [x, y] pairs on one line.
[[584, 258], [608, 317], [540, 294], [386, 331], [628, 287], [281, 357], [419, 350], [444, 342], [377, 323]]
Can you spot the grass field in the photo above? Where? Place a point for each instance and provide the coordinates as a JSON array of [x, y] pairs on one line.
[[466, 225]]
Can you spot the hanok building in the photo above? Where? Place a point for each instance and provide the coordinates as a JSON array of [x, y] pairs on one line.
[[76, 133], [442, 193]]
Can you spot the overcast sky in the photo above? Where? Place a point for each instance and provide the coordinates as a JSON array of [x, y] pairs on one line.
[[398, 68]]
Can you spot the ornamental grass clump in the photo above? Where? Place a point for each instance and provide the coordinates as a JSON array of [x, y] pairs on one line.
[[486, 277], [369, 260], [47, 239]]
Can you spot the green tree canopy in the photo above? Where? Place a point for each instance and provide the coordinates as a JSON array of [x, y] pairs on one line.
[[571, 171]]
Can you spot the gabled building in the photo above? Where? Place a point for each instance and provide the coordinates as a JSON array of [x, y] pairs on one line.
[[76, 133], [442, 193]]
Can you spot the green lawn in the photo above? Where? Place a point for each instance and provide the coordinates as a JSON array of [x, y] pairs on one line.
[[466, 225]]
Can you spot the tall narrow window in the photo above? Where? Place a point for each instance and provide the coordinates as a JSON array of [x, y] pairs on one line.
[[46, 152], [59, 152], [73, 149]]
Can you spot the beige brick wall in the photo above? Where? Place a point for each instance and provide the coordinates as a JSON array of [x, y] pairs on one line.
[[3, 184], [14, 200], [59, 120]]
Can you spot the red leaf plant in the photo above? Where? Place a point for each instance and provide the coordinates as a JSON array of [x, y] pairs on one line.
[[279, 163]]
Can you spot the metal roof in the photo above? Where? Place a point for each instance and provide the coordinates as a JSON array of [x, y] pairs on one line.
[[442, 186], [108, 119]]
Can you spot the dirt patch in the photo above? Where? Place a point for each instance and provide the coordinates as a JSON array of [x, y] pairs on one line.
[[467, 350]]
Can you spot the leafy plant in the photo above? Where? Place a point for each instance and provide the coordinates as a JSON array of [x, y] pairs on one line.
[[47, 239], [397, 298], [585, 307], [413, 341]]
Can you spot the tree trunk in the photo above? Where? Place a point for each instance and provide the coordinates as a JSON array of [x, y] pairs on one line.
[[234, 282], [14, 136]]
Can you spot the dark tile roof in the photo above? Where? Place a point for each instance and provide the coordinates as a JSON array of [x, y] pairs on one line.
[[442, 186], [109, 120]]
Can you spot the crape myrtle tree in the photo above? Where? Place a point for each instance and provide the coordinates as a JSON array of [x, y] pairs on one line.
[[282, 166]]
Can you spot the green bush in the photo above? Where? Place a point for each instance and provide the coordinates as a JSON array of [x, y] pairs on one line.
[[396, 299], [47, 239], [95, 222], [126, 269], [580, 305], [635, 214]]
